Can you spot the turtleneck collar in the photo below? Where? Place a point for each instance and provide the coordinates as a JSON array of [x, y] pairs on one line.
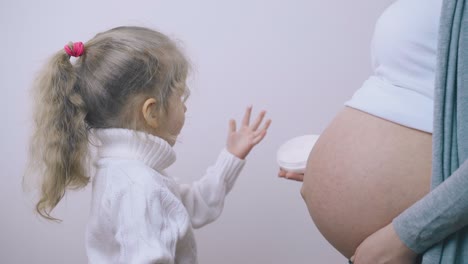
[[130, 144]]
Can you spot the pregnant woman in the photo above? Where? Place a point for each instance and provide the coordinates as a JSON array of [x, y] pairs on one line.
[[374, 160]]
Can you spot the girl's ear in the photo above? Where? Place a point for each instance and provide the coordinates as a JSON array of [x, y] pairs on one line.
[[149, 113]]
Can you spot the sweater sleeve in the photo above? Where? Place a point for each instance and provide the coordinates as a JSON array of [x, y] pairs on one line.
[[142, 230], [440, 213], [204, 199]]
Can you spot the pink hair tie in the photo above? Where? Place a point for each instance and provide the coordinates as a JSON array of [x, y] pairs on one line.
[[76, 51]]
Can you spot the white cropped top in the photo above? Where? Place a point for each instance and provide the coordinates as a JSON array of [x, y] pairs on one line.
[[404, 45]]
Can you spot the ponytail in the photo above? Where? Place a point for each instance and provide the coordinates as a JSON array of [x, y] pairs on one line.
[[60, 140]]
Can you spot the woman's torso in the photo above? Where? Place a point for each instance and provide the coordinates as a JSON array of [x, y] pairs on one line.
[[362, 172], [374, 160]]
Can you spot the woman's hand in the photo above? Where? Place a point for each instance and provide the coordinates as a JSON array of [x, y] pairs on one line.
[[291, 175], [241, 142], [384, 246]]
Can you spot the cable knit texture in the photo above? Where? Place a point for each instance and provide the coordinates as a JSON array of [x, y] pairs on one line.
[[141, 215]]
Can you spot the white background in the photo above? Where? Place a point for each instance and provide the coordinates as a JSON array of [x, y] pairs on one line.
[[299, 60]]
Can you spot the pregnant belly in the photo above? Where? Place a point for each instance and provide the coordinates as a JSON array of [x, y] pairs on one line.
[[363, 172]]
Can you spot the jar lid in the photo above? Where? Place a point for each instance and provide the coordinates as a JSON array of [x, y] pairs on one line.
[[293, 154]]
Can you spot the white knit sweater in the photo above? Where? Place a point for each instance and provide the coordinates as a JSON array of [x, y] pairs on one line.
[[141, 215]]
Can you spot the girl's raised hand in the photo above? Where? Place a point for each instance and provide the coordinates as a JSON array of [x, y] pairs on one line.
[[241, 142]]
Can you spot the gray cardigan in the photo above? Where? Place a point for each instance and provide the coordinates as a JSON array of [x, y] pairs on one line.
[[437, 224]]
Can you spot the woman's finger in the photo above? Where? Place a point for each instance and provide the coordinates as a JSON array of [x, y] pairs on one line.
[[282, 173], [294, 176]]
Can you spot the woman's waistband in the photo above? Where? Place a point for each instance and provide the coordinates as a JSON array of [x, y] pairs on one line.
[[397, 104]]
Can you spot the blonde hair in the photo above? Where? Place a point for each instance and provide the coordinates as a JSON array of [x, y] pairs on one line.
[[118, 71]]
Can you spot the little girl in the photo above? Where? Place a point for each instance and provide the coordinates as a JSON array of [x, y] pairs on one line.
[[126, 92]]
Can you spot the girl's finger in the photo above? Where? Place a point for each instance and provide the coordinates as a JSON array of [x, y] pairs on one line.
[[246, 120], [259, 138], [267, 125], [232, 125], [259, 120], [257, 133], [260, 134]]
